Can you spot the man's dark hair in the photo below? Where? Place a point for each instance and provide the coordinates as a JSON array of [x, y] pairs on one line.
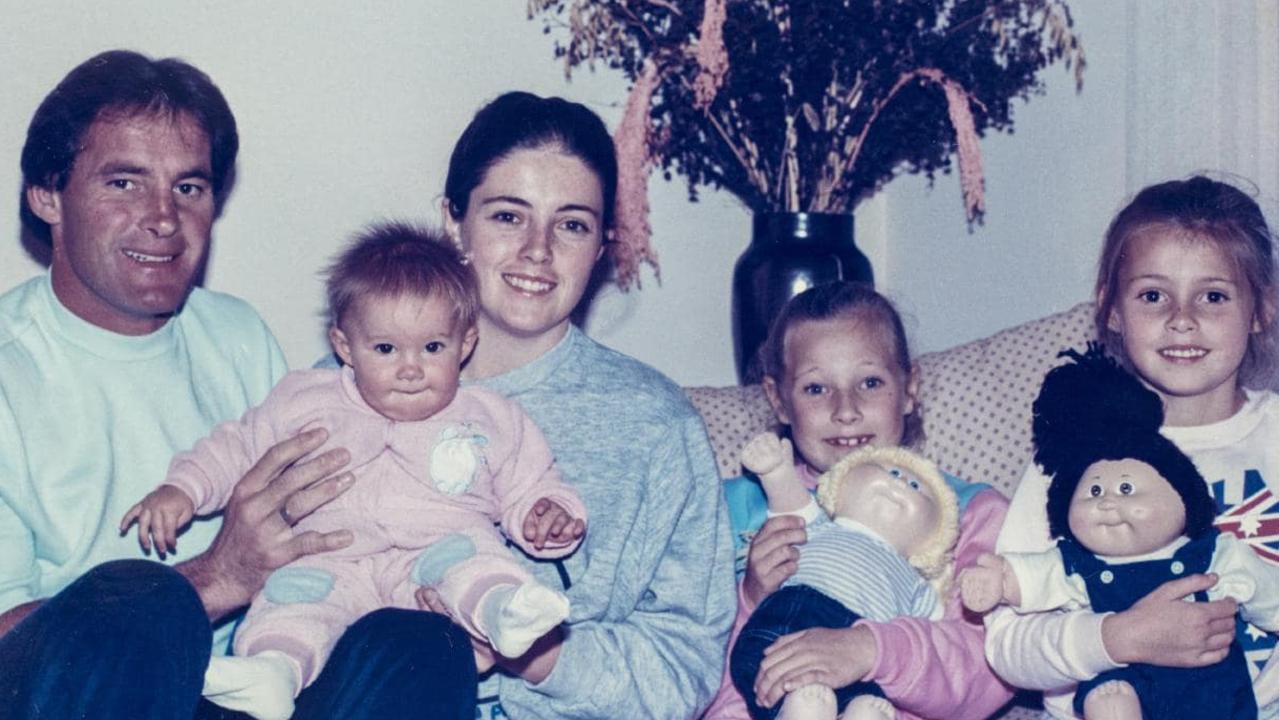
[[123, 83]]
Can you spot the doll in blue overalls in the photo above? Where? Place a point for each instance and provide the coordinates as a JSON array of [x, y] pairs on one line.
[[1130, 512]]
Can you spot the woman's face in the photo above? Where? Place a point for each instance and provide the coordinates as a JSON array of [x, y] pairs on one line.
[[533, 230]]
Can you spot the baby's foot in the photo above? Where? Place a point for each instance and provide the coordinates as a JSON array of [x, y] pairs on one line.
[[261, 685], [1114, 700], [869, 707], [811, 702], [514, 617]]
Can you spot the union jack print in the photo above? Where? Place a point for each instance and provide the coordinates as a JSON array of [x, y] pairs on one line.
[[1254, 519]]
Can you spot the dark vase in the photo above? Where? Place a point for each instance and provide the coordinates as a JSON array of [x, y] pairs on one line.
[[789, 253]]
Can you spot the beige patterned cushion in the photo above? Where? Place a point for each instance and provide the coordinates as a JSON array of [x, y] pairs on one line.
[[733, 415], [976, 397]]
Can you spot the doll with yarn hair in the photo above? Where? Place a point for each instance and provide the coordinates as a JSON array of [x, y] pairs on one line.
[[881, 535], [1129, 511]]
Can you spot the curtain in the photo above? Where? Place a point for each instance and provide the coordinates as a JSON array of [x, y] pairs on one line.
[[1203, 93]]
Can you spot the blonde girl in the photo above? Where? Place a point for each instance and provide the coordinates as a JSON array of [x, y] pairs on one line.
[[1186, 300], [838, 375]]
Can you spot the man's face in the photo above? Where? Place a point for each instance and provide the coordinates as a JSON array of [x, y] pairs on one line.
[[131, 228]]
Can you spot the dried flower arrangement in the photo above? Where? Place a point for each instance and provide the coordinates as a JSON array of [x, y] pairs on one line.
[[806, 105]]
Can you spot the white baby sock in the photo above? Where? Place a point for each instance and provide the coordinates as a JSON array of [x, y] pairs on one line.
[[515, 616], [261, 685]]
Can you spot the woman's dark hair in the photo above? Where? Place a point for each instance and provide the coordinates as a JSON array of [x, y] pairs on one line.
[[841, 298], [121, 83], [520, 120], [1217, 212]]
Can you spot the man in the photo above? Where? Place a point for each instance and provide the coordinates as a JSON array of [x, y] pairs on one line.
[[110, 364]]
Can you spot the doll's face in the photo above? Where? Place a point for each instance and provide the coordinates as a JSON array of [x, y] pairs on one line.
[[892, 501], [1125, 507]]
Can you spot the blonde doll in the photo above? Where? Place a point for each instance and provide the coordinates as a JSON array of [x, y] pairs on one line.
[[880, 538]]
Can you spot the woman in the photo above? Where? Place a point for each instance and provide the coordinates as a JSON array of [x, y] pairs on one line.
[[529, 199]]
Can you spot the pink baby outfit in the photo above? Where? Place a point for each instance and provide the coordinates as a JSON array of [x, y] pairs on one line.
[[426, 497]]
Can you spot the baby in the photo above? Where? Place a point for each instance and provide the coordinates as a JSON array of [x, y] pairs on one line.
[[881, 549], [437, 467]]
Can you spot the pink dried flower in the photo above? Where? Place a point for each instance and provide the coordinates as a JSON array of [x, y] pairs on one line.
[[633, 233], [712, 56], [971, 173]]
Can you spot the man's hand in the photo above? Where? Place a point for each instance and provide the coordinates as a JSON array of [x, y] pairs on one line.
[[833, 657], [1163, 629], [773, 556], [161, 515], [549, 523], [257, 536]]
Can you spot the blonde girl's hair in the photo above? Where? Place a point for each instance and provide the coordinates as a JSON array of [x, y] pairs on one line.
[[841, 298], [1215, 211], [935, 560]]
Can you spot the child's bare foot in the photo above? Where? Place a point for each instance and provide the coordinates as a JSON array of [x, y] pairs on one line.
[[1114, 700], [869, 707], [811, 702]]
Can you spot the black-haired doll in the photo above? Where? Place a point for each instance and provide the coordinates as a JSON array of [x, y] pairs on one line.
[[1129, 512]]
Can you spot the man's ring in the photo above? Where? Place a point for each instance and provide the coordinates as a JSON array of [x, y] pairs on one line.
[[286, 517]]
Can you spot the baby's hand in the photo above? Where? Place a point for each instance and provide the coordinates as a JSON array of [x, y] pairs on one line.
[[981, 587], [161, 515], [767, 452], [548, 523]]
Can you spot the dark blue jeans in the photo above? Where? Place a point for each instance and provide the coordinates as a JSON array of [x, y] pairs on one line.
[[130, 639], [788, 610]]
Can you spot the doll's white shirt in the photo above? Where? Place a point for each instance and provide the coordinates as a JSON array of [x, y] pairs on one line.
[[1053, 651], [1251, 581]]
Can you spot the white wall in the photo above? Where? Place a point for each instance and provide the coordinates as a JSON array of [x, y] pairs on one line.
[[347, 115]]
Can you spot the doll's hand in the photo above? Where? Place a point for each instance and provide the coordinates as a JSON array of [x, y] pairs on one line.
[[1162, 629], [981, 586], [429, 599], [834, 657], [766, 452], [549, 523], [773, 556], [161, 515]]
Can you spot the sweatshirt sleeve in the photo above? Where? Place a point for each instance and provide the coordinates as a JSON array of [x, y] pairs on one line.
[[208, 472], [19, 572], [1041, 651], [1248, 579], [937, 668], [663, 659], [527, 475]]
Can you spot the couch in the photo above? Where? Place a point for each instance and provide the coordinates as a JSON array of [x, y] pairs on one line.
[[975, 400]]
